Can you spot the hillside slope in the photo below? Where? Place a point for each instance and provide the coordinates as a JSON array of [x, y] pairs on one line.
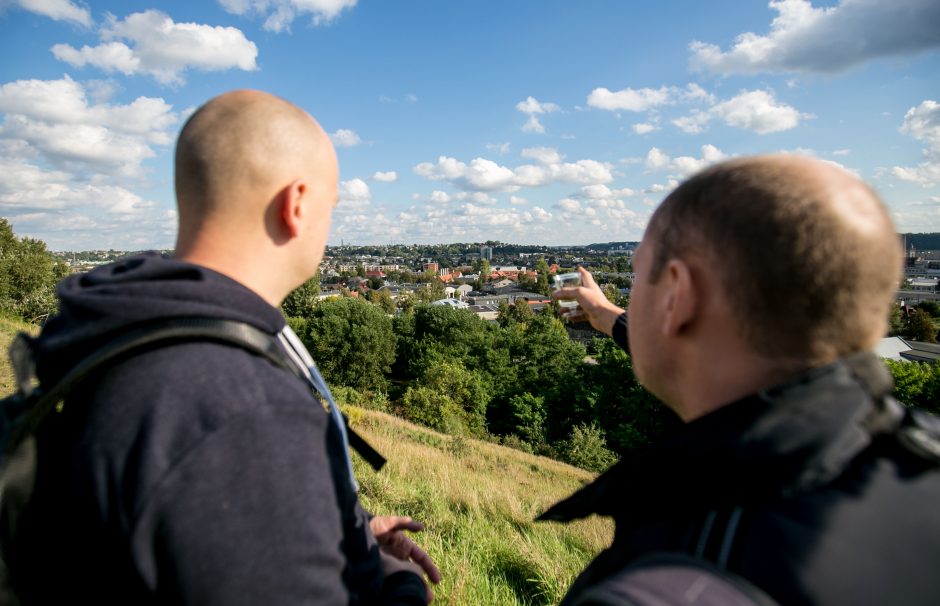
[[477, 500]]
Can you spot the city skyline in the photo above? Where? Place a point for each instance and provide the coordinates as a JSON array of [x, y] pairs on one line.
[[548, 123]]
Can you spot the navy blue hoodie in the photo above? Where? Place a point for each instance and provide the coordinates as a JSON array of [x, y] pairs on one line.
[[195, 473]]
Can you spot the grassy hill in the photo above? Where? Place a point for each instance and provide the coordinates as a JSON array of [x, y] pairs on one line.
[[477, 500]]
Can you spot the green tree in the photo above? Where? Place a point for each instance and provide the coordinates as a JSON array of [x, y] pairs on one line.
[[382, 299], [931, 307], [301, 301], [352, 341], [895, 321], [919, 326], [541, 266], [916, 384], [31, 275]]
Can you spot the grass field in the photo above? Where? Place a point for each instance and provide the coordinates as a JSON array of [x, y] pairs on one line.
[[477, 500]]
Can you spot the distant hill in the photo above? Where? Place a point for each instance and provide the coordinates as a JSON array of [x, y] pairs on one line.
[[610, 245], [923, 241]]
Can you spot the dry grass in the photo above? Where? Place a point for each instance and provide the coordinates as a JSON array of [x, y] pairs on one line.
[[8, 330], [478, 501]]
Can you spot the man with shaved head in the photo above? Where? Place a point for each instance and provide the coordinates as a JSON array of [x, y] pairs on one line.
[[762, 285], [198, 472]]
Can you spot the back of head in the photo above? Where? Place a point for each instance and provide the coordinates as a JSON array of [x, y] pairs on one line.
[[235, 153], [805, 252]]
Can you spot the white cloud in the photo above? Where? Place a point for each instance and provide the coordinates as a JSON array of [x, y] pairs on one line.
[[629, 99], [694, 123], [803, 38], [841, 152], [545, 155], [923, 123], [65, 162], [345, 138], [439, 197], [385, 177], [500, 148], [682, 166], [656, 159], [643, 128], [487, 176], [67, 211], [159, 47], [279, 14], [645, 99], [353, 195], [758, 111], [533, 108], [53, 120], [517, 201], [569, 205], [58, 10]]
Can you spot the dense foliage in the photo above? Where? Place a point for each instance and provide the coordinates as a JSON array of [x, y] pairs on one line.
[[521, 380], [28, 274]]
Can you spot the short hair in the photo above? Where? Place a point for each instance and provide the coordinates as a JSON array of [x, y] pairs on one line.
[[808, 282]]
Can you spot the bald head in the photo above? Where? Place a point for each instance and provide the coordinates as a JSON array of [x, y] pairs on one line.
[[805, 252], [237, 151], [256, 182]]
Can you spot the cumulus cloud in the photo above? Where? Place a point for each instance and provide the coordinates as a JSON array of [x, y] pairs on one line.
[[385, 177], [151, 43], [67, 211], [694, 123], [58, 10], [682, 166], [545, 155], [533, 107], [643, 128], [487, 176], [517, 201], [645, 99], [353, 195], [279, 14], [804, 38], [758, 111], [923, 124], [54, 121], [345, 138]]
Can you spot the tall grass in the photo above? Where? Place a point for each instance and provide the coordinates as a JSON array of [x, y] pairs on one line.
[[478, 500]]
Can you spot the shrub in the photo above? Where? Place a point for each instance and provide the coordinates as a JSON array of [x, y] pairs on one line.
[[587, 449]]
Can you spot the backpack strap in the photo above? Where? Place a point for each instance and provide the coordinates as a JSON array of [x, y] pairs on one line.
[[152, 335]]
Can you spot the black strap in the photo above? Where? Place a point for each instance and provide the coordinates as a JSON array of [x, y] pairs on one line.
[[159, 333]]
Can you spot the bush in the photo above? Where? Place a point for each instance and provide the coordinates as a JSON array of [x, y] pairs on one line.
[[917, 384], [587, 449]]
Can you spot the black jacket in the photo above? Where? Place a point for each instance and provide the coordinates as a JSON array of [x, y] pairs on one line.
[[812, 491], [195, 473]]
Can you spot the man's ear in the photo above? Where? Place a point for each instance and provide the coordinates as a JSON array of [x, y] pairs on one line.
[[680, 299], [293, 210]]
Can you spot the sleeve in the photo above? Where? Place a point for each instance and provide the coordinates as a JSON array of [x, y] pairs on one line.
[[619, 332], [249, 516]]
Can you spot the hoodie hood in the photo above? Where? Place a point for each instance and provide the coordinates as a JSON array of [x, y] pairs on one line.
[[113, 297]]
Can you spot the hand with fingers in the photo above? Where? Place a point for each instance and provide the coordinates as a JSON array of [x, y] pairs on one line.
[[593, 306], [397, 546]]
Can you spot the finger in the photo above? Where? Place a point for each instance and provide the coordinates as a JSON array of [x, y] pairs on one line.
[[586, 278], [385, 524], [422, 559], [566, 293]]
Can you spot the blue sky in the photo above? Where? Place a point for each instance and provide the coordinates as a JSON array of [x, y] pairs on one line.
[[529, 121]]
